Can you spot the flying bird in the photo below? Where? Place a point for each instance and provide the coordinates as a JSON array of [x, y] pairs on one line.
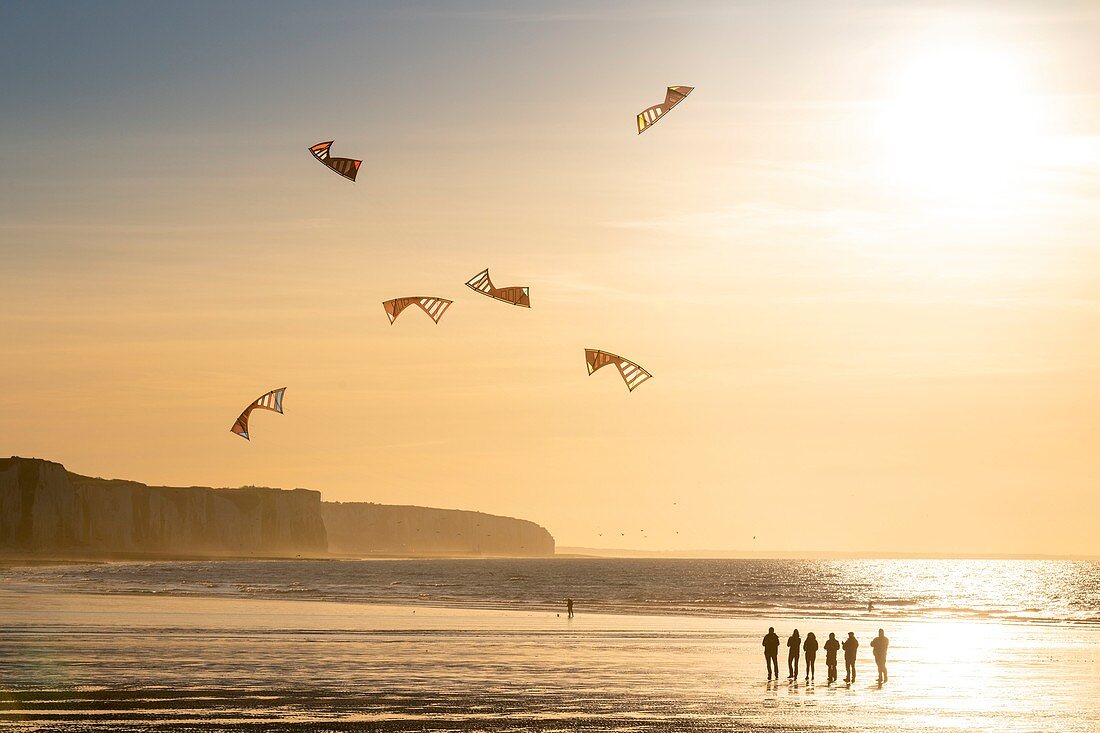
[[673, 96], [632, 374], [346, 167], [516, 295], [273, 401], [434, 307]]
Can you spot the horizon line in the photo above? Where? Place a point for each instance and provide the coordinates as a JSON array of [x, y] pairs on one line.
[[611, 552]]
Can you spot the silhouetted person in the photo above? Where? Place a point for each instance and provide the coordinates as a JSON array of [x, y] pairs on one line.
[[810, 647], [870, 606], [879, 645], [569, 607], [794, 648], [832, 646], [771, 652], [850, 645]]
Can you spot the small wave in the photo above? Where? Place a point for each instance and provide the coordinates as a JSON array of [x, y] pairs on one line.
[[1017, 592], [417, 584]]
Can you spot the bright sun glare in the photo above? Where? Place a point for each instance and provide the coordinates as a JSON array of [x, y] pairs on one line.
[[962, 123]]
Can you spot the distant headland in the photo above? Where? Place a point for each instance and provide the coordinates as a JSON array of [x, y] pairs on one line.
[[48, 511]]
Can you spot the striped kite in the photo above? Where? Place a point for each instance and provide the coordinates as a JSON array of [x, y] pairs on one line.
[[647, 117], [346, 167], [516, 295], [434, 307], [632, 374], [273, 401]]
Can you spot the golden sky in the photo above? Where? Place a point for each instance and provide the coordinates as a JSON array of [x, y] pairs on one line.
[[862, 261]]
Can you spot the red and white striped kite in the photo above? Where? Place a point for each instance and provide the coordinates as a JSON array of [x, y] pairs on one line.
[[673, 96], [346, 167], [516, 295], [273, 401], [434, 307], [632, 374]]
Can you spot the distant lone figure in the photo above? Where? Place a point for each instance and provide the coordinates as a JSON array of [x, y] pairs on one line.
[[569, 607], [879, 645], [810, 647], [832, 646], [870, 606], [771, 652], [850, 645], [794, 646]]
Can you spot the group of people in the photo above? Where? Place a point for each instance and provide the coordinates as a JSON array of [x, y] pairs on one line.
[[795, 647]]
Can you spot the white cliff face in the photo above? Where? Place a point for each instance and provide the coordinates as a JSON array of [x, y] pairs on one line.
[[38, 507], [363, 529], [45, 509]]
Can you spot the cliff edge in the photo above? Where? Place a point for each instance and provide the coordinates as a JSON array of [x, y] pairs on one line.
[[381, 529], [45, 509]]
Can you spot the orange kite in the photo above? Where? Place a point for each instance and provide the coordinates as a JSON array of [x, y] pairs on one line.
[[434, 307], [632, 374], [346, 167], [516, 295], [673, 96], [273, 401]]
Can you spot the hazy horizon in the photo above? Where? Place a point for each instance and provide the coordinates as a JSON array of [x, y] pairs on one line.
[[860, 260], [704, 554]]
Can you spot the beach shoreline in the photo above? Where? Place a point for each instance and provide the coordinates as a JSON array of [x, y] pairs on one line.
[[85, 661], [1024, 592]]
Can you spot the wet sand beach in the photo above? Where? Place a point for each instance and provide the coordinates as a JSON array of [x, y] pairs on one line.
[[80, 662]]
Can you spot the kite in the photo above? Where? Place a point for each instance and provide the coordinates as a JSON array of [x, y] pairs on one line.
[[273, 401], [434, 307], [346, 167], [632, 374], [515, 295], [647, 117]]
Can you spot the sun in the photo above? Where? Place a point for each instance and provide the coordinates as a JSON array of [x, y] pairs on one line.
[[962, 122]]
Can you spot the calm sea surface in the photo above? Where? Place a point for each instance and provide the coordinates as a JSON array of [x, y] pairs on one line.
[[1011, 647], [1054, 591]]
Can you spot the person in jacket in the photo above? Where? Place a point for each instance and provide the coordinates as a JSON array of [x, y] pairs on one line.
[[832, 646], [794, 648], [771, 652], [879, 645], [810, 647], [850, 646]]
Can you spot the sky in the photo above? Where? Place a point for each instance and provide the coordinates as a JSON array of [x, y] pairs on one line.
[[861, 260]]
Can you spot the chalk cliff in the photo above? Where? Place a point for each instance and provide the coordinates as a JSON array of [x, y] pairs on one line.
[[363, 529], [46, 509]]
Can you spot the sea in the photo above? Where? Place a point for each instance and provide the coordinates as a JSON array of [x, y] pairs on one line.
[[1028, 591], [657, 646]]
